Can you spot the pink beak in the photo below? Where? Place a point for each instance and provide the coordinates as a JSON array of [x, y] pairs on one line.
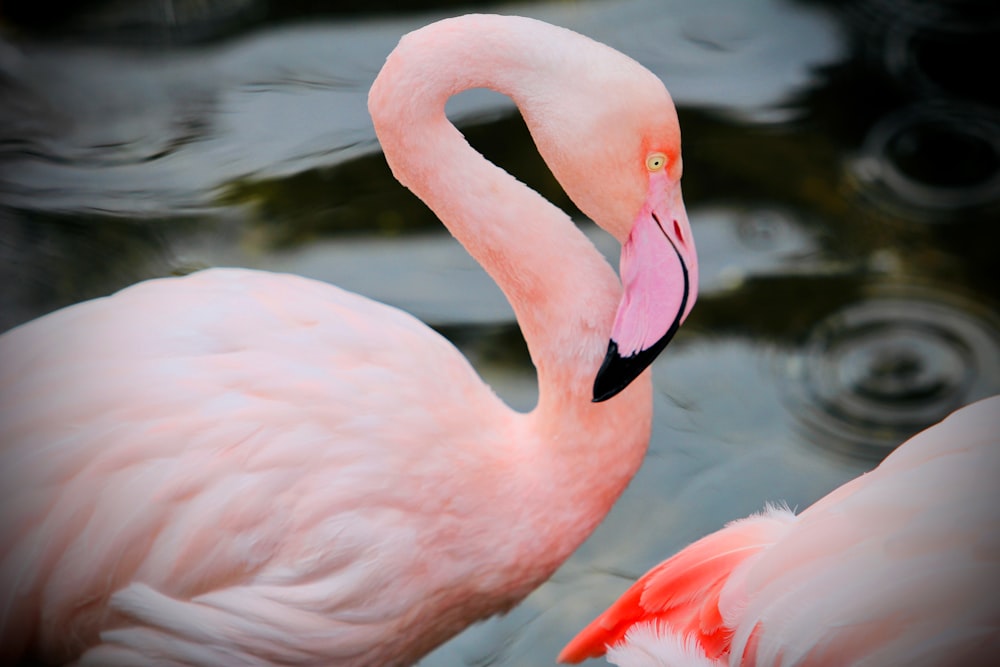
[[659, 290]]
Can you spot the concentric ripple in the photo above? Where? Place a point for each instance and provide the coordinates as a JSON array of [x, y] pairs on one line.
[[932, 159], [876, 372], [936, 48]]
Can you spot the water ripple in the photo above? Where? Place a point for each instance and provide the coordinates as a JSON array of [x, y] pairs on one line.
[[879, 370], [931, 160], [943, 57]]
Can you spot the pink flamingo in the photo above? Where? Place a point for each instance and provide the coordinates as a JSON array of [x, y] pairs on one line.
[[897, 567], [242, 468]]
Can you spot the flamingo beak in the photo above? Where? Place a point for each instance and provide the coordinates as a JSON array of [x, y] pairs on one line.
[[659, 275]]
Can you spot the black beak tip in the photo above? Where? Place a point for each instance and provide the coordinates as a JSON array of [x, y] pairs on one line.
[[618, 372], [608, 381]]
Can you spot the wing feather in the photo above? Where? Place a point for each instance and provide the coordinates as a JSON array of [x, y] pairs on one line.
[[895, 559], [897, 566], [682, 593]]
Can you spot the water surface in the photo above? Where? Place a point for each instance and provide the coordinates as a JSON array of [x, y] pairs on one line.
[[842, 176]]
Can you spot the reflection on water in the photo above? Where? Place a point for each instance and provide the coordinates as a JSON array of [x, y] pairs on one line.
[[131, 130], [820, 140]]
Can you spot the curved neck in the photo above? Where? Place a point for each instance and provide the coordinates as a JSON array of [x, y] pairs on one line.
[[563, 292], [579, 455]]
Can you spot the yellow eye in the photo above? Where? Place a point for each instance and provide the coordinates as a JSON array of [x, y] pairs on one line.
[[656, 161]]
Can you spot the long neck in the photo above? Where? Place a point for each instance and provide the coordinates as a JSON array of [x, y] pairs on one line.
[[563, 292]]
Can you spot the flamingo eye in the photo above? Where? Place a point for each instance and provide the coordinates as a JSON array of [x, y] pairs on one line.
[[656, 161]]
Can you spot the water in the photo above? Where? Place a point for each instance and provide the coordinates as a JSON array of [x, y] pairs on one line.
[[842, 176]]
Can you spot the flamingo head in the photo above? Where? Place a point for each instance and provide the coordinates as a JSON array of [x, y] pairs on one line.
[[613, 142]]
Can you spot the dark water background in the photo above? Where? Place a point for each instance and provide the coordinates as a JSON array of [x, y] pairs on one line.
[[842, 176]]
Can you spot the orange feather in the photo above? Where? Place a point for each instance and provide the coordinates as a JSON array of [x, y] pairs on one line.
[[683, 591]]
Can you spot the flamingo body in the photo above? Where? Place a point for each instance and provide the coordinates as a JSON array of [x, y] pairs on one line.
[[193, 478], [896, 567], [244, 468]]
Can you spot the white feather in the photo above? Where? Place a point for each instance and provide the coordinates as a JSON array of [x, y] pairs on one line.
[[655, 645]]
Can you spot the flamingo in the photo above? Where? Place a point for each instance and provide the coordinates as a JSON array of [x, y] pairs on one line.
[[897, 567], [244, 468]]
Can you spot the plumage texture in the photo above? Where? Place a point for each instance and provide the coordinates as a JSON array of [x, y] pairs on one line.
[[649, 644], [896, 567], [244, 468], [204, 467]]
